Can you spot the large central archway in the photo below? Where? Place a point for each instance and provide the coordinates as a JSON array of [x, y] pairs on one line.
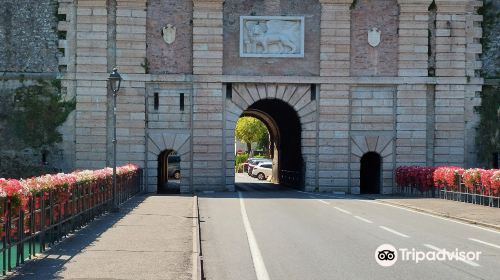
[[288, 111], [284, 128]]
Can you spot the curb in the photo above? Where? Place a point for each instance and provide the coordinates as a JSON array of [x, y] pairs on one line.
[[197, 265], [469, 221]]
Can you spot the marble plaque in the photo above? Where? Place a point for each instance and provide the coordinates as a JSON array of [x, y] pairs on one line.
[[271, 36]]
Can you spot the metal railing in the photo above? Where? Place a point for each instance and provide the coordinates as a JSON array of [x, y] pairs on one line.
[[50, 216], [460, 192], [479, 195]]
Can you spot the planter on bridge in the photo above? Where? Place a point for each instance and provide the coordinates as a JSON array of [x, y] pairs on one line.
[[478, 186], [39, 211]]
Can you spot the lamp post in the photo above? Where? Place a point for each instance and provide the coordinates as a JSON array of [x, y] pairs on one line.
[[115, 81]]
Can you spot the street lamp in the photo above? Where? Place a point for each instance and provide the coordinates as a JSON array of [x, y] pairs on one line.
[[115, 81]]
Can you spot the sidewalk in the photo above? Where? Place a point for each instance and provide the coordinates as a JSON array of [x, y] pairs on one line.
[[467, 212], [151, 238]]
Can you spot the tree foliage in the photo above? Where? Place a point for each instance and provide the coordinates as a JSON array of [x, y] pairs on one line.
[[488, 131], [37, 112], [250, 130]]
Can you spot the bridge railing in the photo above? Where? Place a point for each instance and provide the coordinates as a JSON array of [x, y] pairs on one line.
[[473, 185], [31, 220]]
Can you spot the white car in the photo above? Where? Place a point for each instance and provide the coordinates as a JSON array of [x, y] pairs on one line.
[[254, 162], [263, 170]]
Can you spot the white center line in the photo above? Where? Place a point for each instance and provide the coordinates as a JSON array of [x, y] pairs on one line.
[[342, 210], [322, 201], [258, 261], [457, 257], [393, 231], [363, 219], [485, 243]]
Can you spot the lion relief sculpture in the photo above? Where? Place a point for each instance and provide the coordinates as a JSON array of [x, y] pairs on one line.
[[272, 37]]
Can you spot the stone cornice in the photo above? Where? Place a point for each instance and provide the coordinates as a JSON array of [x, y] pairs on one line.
[[208, 1], [346, 2], [451, 6], [415, 2]]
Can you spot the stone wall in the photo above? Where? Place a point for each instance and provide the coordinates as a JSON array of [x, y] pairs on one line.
[[31, 52], [491, 40], [365, 59], [28, 36], [177, 56], [307, 66]]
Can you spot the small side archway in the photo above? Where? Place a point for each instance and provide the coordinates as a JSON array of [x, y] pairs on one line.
[[160, 146], [370, 173], [169, 172]]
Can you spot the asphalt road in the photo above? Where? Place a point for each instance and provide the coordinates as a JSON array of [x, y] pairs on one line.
[[269, 232]]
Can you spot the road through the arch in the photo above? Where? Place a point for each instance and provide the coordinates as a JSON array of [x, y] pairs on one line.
[[309, 236]]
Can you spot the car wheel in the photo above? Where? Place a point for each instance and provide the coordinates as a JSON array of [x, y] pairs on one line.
[[177, 175], [261, 176]]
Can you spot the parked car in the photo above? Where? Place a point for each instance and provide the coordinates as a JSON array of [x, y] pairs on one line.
[[255, 162], [174, 167], [263, 170], [246, 163]]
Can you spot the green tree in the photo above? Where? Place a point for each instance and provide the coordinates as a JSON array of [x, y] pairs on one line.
[[250, 130]]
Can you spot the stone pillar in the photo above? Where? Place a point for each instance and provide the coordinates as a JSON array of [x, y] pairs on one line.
[[451, 80], [91, 92], [413, 37], [411, 114], [473, 32], [411, 124], [334, 104], [207, 137], [67, 67], [130, 54], [335, 37]]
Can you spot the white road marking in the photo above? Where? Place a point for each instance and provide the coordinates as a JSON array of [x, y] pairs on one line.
[[432, 215], [395, 232], [258, 262], [485, 243], [338, 196], [342, 210], [322, 201], [363, 219], [458, 258]]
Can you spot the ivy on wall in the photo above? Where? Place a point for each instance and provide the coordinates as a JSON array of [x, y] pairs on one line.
[[491, 39], [488, 131], [30, 116], [37, 111]]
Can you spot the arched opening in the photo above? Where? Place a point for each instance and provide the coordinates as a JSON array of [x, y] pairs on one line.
[[169, 172], [284, 151], [370, 175]]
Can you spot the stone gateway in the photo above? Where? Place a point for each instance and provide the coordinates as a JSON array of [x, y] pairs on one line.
[[342, 85]]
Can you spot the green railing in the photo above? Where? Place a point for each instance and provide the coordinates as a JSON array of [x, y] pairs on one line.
[[47, 217]]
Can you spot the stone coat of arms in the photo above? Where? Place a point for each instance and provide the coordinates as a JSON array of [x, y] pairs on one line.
[[374, 37], [168, 33]]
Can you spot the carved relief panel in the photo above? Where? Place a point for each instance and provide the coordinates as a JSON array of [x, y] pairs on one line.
[[271, 36]]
